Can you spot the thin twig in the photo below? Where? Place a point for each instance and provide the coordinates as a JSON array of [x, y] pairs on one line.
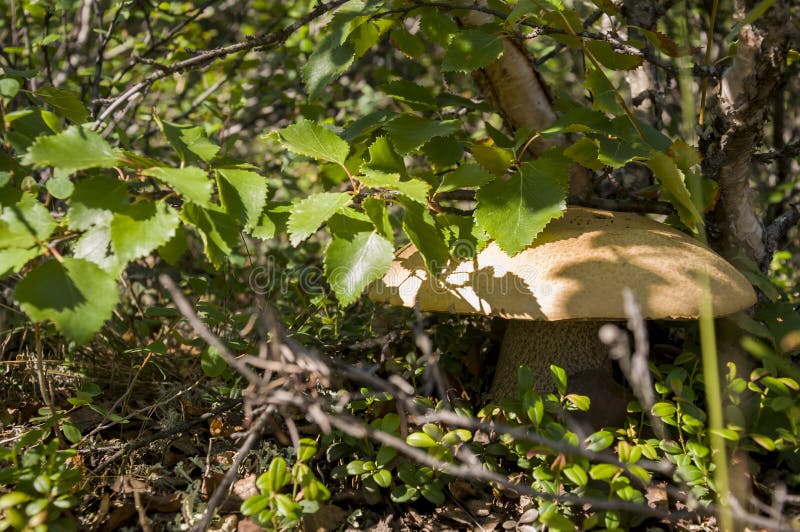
[[138, 444], [204, 58], [618, 205], [200, 328], [222, 489]]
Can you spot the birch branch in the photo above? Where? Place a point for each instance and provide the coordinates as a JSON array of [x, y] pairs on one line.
[[745, 98]]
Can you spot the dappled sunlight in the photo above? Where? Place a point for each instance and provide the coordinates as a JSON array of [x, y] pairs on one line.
[[576, 269]]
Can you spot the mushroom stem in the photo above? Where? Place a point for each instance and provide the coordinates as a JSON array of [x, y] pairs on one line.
[[570, 344]]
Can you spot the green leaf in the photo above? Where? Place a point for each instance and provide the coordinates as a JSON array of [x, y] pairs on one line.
[[464, 237], [409, 132], [405, 493], [274, 220], [9, 87], [71, 432], [423, 231], [75, 294], [174, 249], [673, 181], [25, 223], [420, 439], [356, 467], [412, 93], [376, 210], [350, 265], [522, 9], [212, 363], [515, 211], [277, 476], [74, 149], [312, 140], [585, 151], [218, 231], [576, 474], [685, 155], [412, 188], [664, 43], [444, 152], [191, 182], [336, 52], [52, 120], [65, 103], [579, 119], [608, 57], [407, 42], [347, 223], [189, 141], [557, 522], [385, 454], [141, 228], [617, 153], [454, 437], [604, 96], [60, 187], [13, 259], [310, 213], [663, 409], [307, 450], [728, 434], [367, 34], [603, 471], [559, 378], [465, 176], [433, 493], [94, 246], [243, 194], [471, 49], [255, 504], [581, 402], [533, 405], [94, 201], [382, 478], [382, 157], [437, 26], [492, 158], [330, 59], [599, 441], [366, 125], [286, 507]]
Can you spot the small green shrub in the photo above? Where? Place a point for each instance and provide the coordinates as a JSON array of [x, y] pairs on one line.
[[287, 494]]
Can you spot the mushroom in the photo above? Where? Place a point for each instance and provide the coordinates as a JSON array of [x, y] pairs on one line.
[[561, 289]]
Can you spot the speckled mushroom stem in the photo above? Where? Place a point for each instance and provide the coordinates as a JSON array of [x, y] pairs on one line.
[[570, 344]]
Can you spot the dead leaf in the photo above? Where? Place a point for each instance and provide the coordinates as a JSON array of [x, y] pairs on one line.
[[125, 485]]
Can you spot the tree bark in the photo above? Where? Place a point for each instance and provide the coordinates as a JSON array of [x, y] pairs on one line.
[[514, 87], [745, 96]]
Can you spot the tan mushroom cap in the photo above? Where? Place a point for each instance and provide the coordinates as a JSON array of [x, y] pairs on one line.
[[577, 268]]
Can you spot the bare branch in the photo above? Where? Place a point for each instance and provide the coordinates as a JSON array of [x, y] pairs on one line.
[[222, 489], [202, 59], [185, 308]]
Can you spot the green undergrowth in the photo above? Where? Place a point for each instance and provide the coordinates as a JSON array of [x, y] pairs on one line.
[[45, 486]]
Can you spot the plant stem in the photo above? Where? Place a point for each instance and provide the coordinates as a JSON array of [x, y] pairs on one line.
[[707, 62], [708, 341]]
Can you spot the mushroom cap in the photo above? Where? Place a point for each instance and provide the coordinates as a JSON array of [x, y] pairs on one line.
[[577, 268]]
